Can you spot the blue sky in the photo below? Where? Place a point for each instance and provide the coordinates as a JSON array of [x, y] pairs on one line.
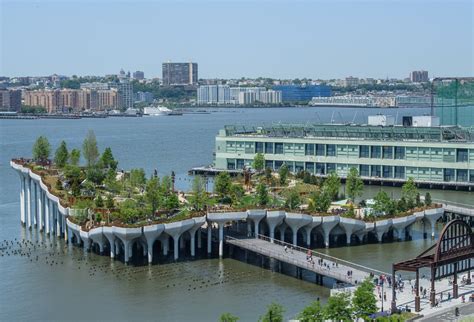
[[282, 39]]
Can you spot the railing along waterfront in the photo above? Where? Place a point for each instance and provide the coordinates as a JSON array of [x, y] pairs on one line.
[[322, 255], [457, 207]]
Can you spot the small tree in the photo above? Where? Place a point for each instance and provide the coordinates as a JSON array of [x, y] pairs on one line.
[[41, 150], [109, 202], [236, 193], [198, 199], [382, 202], [268, 175], [222, 184], [332, 185], [75, 157], [319, 201], [99, 201], [409, 192], [89, 148], [338, 308], [137, 177], [152, 194], [311, 313], [293, 199], [283, 173], [227, 317], [107, 159], [259, 162], [74, 178], [274, 313], [354, 184], [364, 302], [262, 195], [61, 156], [418, 200], [428, 200]]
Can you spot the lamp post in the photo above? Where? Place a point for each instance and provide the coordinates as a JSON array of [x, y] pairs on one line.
[[382, 295]]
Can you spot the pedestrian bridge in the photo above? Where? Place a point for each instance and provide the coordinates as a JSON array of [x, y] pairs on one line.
[[321, 264]]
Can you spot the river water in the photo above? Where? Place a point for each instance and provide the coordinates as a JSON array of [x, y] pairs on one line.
[[46, 279]]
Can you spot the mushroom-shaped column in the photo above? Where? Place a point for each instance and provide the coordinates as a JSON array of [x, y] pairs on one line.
[[127, 235], [369, 226], [329, 222], [350, 226], [22, 198], [85, 239], [97, 236], [400, 224], [175, 230], [151, 233], [256, 215], [282, 229], [274, 218], [221, 218], [296, 221], [381, 227], [315, 222], [109, 234], [198, 222], [432, 215], [47, 215], [28, 200], [75, 229]]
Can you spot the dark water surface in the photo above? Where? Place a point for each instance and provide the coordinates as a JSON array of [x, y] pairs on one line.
[[52, 285]]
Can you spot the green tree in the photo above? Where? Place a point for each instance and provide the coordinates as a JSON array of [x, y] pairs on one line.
[[61, 155], [111, 182], [383, 203], [41, 150], [409, 192], [99, 201], [227, 317], [354, 184], [332, 185], [222, 184], [109, 202], [137, 177], [107, 159], [274, 313], [74, 178], [236, 193], [311, 313], [95, 175], [338, 308], [293, 199], [89, 148], [152, 194], [75, 157], [428, 200], [198, 199], [364, 302], [268, 175], [171, 201], [283, 173], [262, 195], [259, 162], [418, 200], [319, 201]]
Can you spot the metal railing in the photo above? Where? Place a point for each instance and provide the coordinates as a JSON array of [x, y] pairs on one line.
[[322, 255]]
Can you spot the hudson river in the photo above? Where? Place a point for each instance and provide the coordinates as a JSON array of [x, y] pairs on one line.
[[68, 285]]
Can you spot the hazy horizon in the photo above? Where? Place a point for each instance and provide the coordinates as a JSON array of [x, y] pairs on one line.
[[229, 39]]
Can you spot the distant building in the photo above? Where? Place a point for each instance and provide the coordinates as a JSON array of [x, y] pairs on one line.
[[125, 91], [139, 75], [351, 81], [294, 93], [180, 74], [223, 94], [247, 98], [95, 86], [270, 97], [146, 97], [419, 76], [213, 94], [10, 100]]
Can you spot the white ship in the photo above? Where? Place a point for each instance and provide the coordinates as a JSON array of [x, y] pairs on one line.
[[156, 111]]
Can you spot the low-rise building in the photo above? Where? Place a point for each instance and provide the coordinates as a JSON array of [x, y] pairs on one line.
[[10, 100]]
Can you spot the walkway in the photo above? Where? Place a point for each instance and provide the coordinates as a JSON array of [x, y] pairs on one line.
[[330, 266], [465, 310]]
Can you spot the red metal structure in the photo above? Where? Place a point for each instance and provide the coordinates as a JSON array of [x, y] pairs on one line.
[[452, 254]]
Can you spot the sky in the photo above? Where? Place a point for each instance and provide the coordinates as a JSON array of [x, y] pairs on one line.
[[233, 39]]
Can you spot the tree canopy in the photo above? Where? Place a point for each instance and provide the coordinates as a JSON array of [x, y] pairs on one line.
[[41, 150], [311, 313], [89, 148], [354, 184], [364, 301], [259, 162], [274, 313], [75, 157], [338, 308], [61, 155]]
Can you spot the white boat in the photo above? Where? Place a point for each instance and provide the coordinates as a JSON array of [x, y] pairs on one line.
[[156, 111]]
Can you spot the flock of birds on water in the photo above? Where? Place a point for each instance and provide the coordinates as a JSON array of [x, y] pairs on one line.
[[53, 254]]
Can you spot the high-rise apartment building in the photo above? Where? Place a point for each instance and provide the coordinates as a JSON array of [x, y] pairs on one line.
[[180, 74], [419, 76], [139, 75], [10, 100]]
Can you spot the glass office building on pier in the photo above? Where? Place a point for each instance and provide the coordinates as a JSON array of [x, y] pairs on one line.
[[440, 156]]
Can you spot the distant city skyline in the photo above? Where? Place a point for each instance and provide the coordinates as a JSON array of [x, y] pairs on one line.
[[281, 39]]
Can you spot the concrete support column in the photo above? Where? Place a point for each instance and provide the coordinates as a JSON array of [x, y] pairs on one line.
[[348, 238], [209, 238], [35, 201], [257, 227], [272, 234], [58, 221], [326, 239], [28, 200], [199, 235], [176, 247], [117, 248], [193, 244], [221, 239], [52, 218], [249, 228], [40, 210], [150, 250], [182, 242], [112, 249], [433, 228], [308, 237], [295, 237], [282, 233], [65, 231], [126, 248], [166, 245], [22, 200], [47, 215]]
